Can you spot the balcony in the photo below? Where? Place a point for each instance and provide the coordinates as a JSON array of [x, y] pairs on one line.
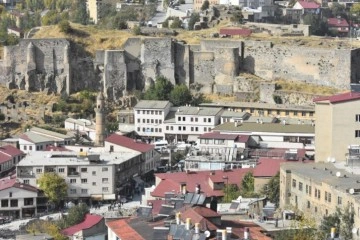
[[73, 174], [24, 174]]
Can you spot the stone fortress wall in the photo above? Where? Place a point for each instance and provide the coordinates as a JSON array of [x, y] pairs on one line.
[[56, 65]]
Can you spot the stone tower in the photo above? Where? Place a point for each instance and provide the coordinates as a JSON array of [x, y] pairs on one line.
[[100, 120]]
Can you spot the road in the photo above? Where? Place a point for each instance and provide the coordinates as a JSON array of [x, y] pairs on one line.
[[160, 15]]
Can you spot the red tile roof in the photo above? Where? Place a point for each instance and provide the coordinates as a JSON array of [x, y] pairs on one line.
[[309, 5], [156, 205], [172, 181], [123, 230], [268, 167], [236, 31], [129, 143], [26, 138], [6, 183], [242, 138], [89, 221], [8, 152], [344, 97], [195, 214], [337, 22]]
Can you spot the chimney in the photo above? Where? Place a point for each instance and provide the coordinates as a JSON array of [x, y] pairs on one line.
[[223, 234], [332, 233], [178, 214], [183, 188], [197, 230], [188, 224], [246, 233], [197, 189], [229, 232]]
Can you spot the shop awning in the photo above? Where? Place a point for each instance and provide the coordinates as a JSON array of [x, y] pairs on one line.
[[99, 197]]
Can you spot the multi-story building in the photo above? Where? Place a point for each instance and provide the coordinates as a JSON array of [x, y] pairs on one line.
[[187, 122], [18, 200], [149, 118], [9, 157], [267, 109], [88, 175], [199, 3], [337, 126], [37, 139], [318, 189]]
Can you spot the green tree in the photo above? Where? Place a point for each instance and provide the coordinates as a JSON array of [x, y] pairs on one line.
[[176, 23], [180, 95], [136, 30], [318, 25], [54, 187], [338, 10], [237, 16], [355, 9], [328, 222], [205, 5], [247, 186], [194, 18], [272, 189], [160, 90], [231, 192], [64, 26], [80, 15], [76, 214], [347, 222]]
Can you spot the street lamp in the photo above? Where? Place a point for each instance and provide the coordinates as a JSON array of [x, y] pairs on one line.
[[227, 187]]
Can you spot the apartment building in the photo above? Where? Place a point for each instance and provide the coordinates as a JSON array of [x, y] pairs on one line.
[[18, 200], [37, 139], [337, 126], [89, 175], [318, 189], [187, 122], [149, 117], [267, 109], [199, 3], [9, 157]]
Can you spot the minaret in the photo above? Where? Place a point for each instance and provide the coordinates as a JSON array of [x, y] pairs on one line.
[[100, 120]]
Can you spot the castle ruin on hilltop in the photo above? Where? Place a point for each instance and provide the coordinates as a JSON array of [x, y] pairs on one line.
[[58, 66]]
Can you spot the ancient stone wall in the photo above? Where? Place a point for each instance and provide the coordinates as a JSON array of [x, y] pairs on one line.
[[203, 68]]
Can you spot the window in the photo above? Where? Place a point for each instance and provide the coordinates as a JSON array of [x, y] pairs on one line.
[[28, 201], [192, 129], [357, 133], [172, 128], [287, 113], [94, 183], [184, 119], [13, 203], [4, 203], [152, 112], [300, 186], [104, 169], [311, 114], [209, 120], [61, 170], [167, 127], [27, 181], [25, 147], [295, 113], [83, 169], [72, 191], [339, 201], [329, 197], [310, 190], [184, 128], [179, 119], [160, 129], [315, 209], [308, 204], [326, 195], [204, 119], [152, 120], [179, 128], [105, 189], [196, 129], [10, 194], [294, 183], [138, 120], [147, 120], [72, 180], [306, 189], [319, 194], [84, 180], [105, 180], [30, 147], [39, 170], [191, 119], [84, 191], [303, 114], [94, 173], [143, 120]]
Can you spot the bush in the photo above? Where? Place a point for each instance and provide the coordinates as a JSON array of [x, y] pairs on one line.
[[136, 30], [64, 26]]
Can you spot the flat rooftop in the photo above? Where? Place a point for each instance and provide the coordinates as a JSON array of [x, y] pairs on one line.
[[41, 158], [198, 111], [258, 105], [266, 127], [151, 104]]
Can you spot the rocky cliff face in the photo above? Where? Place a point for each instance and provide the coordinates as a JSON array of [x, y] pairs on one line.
[[58, 66]]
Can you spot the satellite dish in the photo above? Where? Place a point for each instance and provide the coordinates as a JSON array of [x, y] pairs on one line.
[[338, 174], [351, 191], [207, 233], [354, 230]]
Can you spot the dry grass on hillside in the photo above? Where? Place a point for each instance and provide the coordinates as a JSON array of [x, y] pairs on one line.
[[306, 88], [91, 37]]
